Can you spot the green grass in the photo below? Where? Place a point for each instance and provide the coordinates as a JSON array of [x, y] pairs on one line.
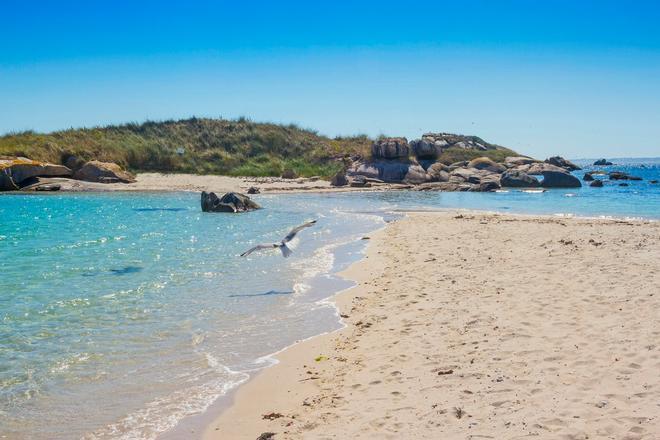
[[212, 146]]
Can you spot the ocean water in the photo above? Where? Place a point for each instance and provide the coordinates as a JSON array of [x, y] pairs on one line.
[[122, 314]]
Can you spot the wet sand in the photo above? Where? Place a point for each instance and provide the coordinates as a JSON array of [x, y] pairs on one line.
[[469, 325]]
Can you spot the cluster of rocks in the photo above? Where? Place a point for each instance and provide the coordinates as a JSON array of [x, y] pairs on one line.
[[612, 176], [229, 202], [20, 173], [391, 163], [603, 163]]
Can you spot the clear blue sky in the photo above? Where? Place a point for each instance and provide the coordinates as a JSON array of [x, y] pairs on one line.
[[581, 79]]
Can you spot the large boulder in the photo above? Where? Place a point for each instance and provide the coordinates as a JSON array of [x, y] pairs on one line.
[[16, 172], [438, 172], [560, 162], [416, 175], [103, 172], [229, 202], [289, 174], [426, 148], [518, 179], [390, 148], [339, 179], [559, 179], [485, 163], [388, 171]]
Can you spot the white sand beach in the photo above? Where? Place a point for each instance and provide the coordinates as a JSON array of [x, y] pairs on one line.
[[475, 326]]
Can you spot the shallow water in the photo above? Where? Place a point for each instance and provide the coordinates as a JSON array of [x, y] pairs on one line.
[[122, 313]]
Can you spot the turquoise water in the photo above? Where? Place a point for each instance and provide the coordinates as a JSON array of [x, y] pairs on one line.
[[121, 314]]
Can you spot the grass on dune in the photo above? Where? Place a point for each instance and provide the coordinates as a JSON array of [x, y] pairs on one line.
[[210, 146]]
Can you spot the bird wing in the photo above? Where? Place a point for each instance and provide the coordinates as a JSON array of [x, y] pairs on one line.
[[297, 229], [259, 247]]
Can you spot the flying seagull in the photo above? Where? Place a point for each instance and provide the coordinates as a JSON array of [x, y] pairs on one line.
[[282, 244]]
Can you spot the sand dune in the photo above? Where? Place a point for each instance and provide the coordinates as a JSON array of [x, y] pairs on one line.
[[478, 326]]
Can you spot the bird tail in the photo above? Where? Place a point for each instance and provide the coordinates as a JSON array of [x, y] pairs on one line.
[[286, 251]]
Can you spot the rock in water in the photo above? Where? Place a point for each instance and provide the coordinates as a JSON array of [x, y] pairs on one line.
[[596, 183], [603, 162], [513, 161], [103, 172], [230, 202], [560, 162], [558, 179], [588, 177], [390, 148], [518, 179]]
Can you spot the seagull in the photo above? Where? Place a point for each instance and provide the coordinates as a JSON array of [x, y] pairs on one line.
[[282, 244]]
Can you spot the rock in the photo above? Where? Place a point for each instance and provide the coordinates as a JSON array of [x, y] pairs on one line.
[[457, 165], [426, 148], [390, 148], [537, 169], [513, 161], [438, 172], [229, 202], [603, 162], [339, 179], [360, 182], [518, 179], [588, 177], [289, 174], [596, 184], [415, 175], [15, 172], [72, 162], [653, 181], [95, 171], [485, 163], [557, 179], [48, 187], [448, 140], [623, 184], [489, 185], [560, 162], [620, 175], [253, 190]]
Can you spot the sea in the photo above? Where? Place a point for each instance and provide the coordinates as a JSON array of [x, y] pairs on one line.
[[124, 314]]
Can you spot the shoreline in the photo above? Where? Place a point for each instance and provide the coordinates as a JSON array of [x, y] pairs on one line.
[[243, 416]]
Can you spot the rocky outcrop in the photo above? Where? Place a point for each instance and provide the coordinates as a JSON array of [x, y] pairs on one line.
[[518, 179], [390, 171], [443, 141], [103, 172], [426, 149], [559, 179], [339, 179], [603, 163], [390, 148], [16, 172], [485, 163], [229, 202], [560, 162]]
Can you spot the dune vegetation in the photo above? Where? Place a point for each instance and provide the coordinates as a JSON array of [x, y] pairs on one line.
[[206, 146]]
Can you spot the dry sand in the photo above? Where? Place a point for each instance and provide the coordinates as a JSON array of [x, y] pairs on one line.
[[220, 184], [477, 326]]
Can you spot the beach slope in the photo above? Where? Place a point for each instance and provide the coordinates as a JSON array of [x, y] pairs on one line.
[[468, 325]]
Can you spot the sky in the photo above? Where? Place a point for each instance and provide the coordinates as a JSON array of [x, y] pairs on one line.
[[575, 78]]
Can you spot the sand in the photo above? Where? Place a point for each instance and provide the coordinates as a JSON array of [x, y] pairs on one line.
[[219, 184], [477, 326]]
